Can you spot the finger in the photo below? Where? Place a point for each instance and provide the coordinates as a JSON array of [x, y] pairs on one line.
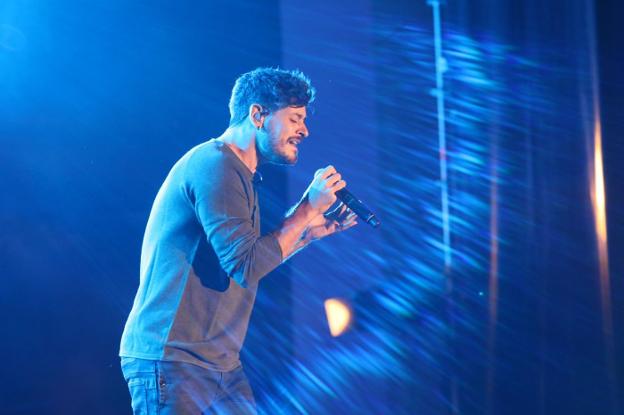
[[348, 221], [346, 226], [328, 171], [332, 180], [339, 185], [345, 214], [350, 217], [351, 225], [336, 226], [338, 212]]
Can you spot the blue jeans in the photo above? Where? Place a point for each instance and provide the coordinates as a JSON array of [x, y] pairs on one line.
[[168, 388]]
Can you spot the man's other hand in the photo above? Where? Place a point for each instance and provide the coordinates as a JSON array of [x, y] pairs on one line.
[[338, 220]]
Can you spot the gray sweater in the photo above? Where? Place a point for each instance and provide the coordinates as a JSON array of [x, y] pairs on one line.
[[201, 260]]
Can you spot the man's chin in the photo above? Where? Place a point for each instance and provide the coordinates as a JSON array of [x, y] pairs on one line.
[[288, 162], [282, 155], [281, 158], [285, 160]]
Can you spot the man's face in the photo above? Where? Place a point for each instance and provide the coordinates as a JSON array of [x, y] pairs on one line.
[[282, 132]]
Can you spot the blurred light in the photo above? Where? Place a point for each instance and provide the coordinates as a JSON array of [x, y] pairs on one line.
[[493, 279], [339, 316], [441, 66], [599, 202], [600, 218], [599, 197]]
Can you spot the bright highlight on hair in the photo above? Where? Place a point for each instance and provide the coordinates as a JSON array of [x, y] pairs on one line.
[[339, 316]]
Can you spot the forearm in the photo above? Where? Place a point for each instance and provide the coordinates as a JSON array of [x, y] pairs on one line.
[[248, 262], [291, 234]]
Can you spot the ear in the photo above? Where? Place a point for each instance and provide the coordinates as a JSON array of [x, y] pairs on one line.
[[256, 115]]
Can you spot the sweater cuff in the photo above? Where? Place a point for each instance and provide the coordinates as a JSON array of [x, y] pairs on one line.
[[268, 255]]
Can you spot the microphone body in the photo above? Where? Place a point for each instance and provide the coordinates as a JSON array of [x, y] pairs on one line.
[[357, 207]]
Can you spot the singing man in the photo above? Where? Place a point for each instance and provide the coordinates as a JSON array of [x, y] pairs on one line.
[[203, 255]]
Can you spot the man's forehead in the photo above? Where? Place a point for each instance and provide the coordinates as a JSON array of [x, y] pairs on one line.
[[300, 112]]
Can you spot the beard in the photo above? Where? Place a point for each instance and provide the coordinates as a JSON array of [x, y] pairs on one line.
[[275, 151]]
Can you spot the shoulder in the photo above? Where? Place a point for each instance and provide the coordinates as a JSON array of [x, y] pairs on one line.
[[208, 159], [210, 164], [209, 153]]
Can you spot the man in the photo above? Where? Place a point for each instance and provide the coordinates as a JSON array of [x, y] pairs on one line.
[[203, 255]]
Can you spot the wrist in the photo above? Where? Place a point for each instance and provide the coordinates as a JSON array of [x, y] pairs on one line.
[[306, 210]]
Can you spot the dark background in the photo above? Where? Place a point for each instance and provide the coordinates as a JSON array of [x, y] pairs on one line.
[[97, 101]]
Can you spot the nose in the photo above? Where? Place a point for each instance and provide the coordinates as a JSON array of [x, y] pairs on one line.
[[303, 131]]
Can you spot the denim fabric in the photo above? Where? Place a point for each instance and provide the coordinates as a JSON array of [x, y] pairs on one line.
[[161, 387]]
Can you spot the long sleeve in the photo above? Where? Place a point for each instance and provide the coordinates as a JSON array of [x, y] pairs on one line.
[[224, 206], [203, 225]]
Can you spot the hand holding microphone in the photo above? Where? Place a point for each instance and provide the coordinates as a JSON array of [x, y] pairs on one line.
[[321, 192], [328, 186]]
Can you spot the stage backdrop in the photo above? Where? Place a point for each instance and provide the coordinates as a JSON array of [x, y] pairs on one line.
[[97, 101], [494, 283]]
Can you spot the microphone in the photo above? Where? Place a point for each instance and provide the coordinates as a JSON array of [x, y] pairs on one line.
[[357, 207]]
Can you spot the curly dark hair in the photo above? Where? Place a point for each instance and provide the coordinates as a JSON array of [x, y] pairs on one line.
[[272, 88]]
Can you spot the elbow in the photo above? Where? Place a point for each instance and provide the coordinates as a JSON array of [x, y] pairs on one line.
[[244, 270], [257, 260], [243, 274]]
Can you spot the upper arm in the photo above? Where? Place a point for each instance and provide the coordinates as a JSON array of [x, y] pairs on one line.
[[224, 209]]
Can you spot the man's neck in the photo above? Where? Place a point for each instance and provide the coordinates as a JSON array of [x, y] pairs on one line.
[[242, 141]]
